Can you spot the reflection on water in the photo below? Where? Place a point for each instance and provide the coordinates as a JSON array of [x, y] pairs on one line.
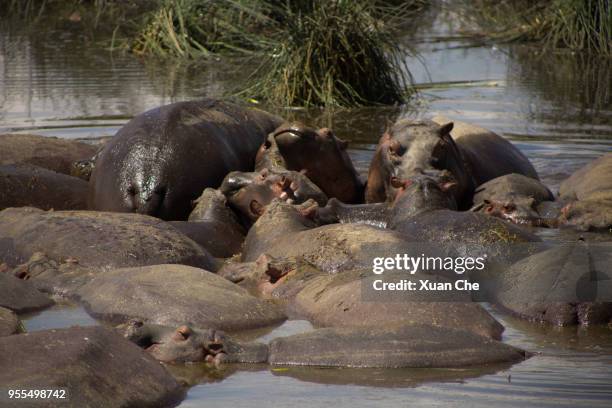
[[57, 317], [556, 108]]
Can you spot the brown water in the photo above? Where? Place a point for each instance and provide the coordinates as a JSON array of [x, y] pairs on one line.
[[556, 108]]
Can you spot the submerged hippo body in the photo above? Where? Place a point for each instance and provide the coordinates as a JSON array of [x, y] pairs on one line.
[[61, 250], [213, 225], [459, 156], [417, 346], [24, 185], [285, 230], [570, 284], [422, 212], [338, 301], [187, 344], [47, 152], [174, 295], [589, 193], [164, 158], [319, 154], [94, 365]]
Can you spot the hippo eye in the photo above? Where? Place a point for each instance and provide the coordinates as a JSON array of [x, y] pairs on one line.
[[396, 148], [509, 207]]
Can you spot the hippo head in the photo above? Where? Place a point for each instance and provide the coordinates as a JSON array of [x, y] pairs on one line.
[[411, 148], [249, 193], [182, 344], [317, 153], [518, 211], [187, 344], [420, 194]]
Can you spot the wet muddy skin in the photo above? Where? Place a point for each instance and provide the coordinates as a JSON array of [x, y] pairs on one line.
[[552, 108]]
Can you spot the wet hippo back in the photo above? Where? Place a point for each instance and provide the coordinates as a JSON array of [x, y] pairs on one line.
[[164, 158], [488, 155]]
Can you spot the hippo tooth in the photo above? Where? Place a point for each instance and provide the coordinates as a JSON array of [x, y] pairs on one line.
[[290, 201], [293, 186], [284, 195]]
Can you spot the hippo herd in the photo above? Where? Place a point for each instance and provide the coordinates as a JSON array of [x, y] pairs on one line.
[[202, 220]]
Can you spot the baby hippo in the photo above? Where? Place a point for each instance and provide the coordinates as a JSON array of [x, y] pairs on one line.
[[512, 197], [186, 344]]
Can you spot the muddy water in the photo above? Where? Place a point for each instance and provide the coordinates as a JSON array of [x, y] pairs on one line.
[[556, 108]]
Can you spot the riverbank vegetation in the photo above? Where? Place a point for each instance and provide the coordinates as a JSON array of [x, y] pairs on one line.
[[298, 53], [578, 25]]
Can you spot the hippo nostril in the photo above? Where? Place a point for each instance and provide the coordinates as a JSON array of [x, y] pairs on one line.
[[215, 347], [22, 275]]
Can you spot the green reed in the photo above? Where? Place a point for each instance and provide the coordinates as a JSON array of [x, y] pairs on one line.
[[579, 25]]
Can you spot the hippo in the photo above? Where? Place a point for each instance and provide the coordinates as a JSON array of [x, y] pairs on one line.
[[567, 285], [414, 346], [163, 159], [343, 301], [317, 153], [422, 211], [249, 193], [62, 250], [287, 230], [89, 367], [25, 185], [9, 323], [460, 156], [50, 153], [513, 197], [213, 225], [174, 295], [588, 193], [21, 296], [187, 344]]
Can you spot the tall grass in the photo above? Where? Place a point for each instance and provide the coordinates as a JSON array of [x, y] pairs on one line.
[[579, 25], [305, 53], [332, 53], [196, 28]]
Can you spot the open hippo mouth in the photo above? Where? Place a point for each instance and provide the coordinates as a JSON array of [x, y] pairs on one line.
[[250, 193], [214, 347]]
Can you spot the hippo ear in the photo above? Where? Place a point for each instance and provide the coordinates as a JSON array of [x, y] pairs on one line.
[[446, 129]]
